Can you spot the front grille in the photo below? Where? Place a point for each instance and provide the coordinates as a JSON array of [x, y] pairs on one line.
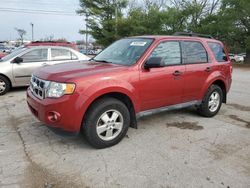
[[38, 87]]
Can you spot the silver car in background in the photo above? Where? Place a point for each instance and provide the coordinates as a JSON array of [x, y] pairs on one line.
[[17, 67]]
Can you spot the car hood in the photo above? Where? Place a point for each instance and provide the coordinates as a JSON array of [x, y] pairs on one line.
[[67, 71]]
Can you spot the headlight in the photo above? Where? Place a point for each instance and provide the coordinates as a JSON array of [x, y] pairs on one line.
[[56, 90]]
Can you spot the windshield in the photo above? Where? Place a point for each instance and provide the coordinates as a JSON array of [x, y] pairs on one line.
[[13, 54], [124, 51]]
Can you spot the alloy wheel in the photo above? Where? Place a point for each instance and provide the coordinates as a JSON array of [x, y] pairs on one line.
[[214, 101], [109, 125], [2, 86]]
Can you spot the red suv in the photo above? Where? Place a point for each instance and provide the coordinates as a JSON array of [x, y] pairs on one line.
[[131, 78]]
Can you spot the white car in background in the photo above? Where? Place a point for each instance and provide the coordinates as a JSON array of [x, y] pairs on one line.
[[236, 58], [17, 67]]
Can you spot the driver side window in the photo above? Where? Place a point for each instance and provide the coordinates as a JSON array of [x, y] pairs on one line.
[[36, 55], [169, 51]]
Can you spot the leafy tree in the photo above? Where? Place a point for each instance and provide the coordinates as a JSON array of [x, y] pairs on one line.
[[238, 13], [102, 18], [227, 20]]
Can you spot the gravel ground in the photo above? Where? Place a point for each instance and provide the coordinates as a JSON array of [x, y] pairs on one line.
[[172, 149]]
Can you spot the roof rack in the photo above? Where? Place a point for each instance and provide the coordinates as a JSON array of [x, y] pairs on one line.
[[191, 34]]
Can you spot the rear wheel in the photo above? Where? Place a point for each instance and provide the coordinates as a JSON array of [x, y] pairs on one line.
[[212, 101], [106, 122], [4, 85]]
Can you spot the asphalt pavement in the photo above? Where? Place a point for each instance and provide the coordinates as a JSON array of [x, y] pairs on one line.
[[171, 149]]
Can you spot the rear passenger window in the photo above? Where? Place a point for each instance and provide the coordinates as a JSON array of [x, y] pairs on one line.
[[170, 52], [62, 54], [194, 53], [218, 51]]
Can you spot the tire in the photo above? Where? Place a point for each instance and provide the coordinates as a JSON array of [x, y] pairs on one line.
[[4, 85], [210, 110], [106, 117]]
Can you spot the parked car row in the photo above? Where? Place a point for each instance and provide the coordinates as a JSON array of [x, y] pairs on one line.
[[2, 54], [90, 52], [5, 51]]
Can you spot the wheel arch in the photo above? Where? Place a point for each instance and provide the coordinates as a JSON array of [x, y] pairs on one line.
[[219, 82], [123, 97], [222, 85], [7, 79]]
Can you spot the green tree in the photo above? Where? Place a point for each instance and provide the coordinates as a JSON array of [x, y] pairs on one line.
[[238, 13], [102, 19], [226, 20]]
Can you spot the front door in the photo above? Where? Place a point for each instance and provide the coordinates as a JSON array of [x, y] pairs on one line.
[[32, 60], [163, 86]]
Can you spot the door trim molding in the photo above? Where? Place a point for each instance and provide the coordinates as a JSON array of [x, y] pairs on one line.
[[167, 108], [24, 76]]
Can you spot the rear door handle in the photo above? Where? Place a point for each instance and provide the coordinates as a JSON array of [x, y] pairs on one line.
[[208, 69], [177, 73]]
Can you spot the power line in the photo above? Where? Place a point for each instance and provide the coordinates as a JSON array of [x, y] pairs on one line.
[[40, 3], [38, 11]]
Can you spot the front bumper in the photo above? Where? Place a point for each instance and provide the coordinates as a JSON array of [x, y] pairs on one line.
[[67, 109]]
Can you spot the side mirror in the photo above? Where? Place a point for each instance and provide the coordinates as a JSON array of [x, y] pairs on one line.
[[17, 60], [225, 58], [154, 62]]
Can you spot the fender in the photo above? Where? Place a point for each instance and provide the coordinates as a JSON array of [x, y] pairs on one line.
[[215, 76], [94, 91]]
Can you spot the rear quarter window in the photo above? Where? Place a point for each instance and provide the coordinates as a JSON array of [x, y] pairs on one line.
[[218, 51]]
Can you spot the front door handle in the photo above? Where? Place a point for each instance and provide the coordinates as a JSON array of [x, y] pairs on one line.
[[177, 73], [208, 69]]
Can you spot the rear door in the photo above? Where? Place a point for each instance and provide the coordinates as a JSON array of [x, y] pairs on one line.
[[32, 60], [198, 68], [223, 62], [163, 86]]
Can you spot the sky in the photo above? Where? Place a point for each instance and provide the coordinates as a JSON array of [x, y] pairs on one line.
[[55, 17]]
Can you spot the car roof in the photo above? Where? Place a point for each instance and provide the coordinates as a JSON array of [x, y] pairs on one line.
[[53, 43], [160, 37], [58, 47]]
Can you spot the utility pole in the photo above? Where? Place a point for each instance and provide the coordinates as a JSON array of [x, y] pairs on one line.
[[32, 30], [86, 22], [116, 18]]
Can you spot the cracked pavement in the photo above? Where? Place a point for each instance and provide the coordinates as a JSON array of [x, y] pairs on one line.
[[171, 149]]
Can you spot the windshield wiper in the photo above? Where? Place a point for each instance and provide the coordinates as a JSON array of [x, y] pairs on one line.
[[103, 61]]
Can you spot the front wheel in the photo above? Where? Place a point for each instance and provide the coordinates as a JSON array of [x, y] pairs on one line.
[[4, 85], [106, 122], [212, 101]]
